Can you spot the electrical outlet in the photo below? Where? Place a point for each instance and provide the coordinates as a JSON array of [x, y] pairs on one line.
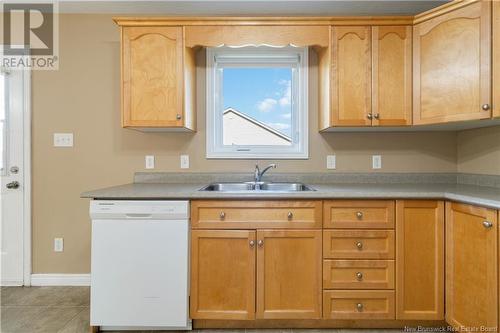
[[63, 139], [376, 162], [331, 162], [58, 244], [184, 161], [150, 162]]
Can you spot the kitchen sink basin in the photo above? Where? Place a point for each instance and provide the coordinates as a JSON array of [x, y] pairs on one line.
[[257, 187]]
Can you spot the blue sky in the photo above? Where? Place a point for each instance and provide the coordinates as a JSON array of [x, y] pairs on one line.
[[261, 93]]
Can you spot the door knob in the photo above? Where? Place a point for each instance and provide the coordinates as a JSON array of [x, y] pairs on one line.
[[487, 224], [14, 169], [485, 107], [13, 185], [178, 117]]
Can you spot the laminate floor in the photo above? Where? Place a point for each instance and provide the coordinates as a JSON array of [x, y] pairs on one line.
[[66, 310]]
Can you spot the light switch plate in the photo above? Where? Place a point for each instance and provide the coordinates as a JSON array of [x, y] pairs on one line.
[[63, 139], [184, 161], [149, 161], [376, 162], [331, 162], [58, 244]]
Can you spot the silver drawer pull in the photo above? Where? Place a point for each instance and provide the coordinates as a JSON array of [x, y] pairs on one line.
[[487, 224], [359, 306], [359, 245], [260, 243], [359, 276], [290, 215], [222, 215], [359, 215], [252, 243]]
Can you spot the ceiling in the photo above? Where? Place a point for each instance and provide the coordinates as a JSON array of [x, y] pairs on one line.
[[249, 7]]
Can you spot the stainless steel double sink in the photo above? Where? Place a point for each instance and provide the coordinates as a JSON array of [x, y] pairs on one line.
[[252, 186]]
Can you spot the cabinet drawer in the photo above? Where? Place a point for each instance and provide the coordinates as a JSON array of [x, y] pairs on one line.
[[358, 304], [353, 214], [358, 244], [233, 214], [358, 274]]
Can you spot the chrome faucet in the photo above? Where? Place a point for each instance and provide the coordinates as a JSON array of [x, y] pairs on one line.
[[258, 174]]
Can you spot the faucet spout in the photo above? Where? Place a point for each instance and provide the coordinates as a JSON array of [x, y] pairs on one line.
[[259, 174]]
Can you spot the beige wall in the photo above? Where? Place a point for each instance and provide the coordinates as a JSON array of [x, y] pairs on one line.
[[478, 151], [83, 97]]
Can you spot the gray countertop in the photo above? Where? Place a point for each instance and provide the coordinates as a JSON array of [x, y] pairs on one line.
[[472, 194]]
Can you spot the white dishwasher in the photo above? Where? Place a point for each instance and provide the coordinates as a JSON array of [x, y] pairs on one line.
[[139, 264]]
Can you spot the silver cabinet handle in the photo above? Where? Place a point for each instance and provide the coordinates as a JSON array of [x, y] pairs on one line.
[[359, 276], [376, 116], [359, 215], [178, 117], [252, 243], [290, 215], [260, 243], [222, 215], [12, 185], [487, 224], [359, 245], [485, 107], [359, 306], [369, 116]]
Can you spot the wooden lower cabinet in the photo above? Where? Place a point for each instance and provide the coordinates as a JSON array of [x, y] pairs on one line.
[[471, 266], [289, 274], [420, 259], [222, 274]]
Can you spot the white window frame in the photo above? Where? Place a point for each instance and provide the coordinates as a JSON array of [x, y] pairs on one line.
[[261, 56]]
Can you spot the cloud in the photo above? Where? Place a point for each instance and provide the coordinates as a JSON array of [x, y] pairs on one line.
[[286, 99], [286, 116], [267, 104], [279, 126]]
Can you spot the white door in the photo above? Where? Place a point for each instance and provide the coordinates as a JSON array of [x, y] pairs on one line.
[[14, 145]]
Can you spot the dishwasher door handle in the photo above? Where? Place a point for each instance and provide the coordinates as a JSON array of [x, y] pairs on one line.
[[138, 216]]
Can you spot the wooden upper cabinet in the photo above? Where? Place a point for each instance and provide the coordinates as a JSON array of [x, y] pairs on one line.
[[351, 76], [289, 279], [158, 78], [222, 274], [451, 65], [420, 260], [471, 266], [496, 58], [392, 75]]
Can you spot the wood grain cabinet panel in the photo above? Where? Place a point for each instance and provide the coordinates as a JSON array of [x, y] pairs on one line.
[[358, 244], [451, 65], [392, 75], [351, 214], [496, 58], [222, 274], [358, 304], [351, 76], [358, 274], [153, 78], [289, 274], [420, 260], [471, 266], [237, 214]]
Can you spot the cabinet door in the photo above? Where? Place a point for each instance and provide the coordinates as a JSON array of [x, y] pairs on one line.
[[351, 76], [496, 58], [471, 266], [152, 76], [420, 260], [222, 274], [391, 59], [451, 58], [289, 274]]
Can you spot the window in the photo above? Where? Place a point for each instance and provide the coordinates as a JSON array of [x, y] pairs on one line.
[[257, 102]]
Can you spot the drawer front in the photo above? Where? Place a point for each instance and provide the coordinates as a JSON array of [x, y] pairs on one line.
[[363, 214], [358, 244], [358, 274], [232, 214], [358, 304]]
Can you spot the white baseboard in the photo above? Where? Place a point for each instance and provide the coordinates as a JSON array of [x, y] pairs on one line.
[[60, 279], [11, 283]]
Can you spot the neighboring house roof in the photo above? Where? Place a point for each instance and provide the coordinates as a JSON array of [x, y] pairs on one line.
[[258, 123]]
